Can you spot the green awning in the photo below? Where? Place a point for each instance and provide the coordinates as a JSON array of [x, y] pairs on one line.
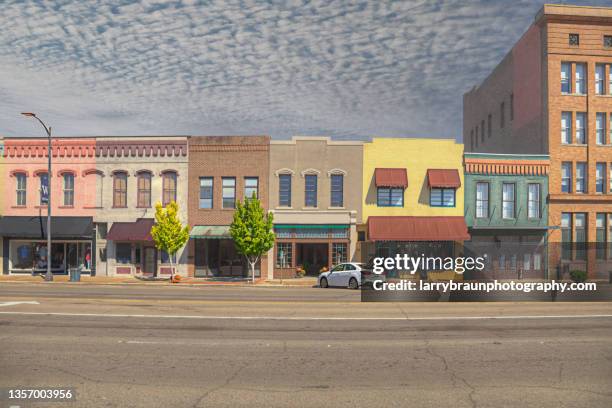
[[311, 226], [210, 232]]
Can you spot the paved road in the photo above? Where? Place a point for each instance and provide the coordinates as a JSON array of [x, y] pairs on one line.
[[122, 352]]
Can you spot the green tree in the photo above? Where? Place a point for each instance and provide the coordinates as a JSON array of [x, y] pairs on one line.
[[168, 232], [252, 231]]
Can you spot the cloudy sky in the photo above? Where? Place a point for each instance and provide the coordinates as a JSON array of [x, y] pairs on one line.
[[338, 68]]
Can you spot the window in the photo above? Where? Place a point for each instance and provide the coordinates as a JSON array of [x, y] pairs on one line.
[[168, 187], [165, 258], [284, 190], [580, 80], [310, 190], [502, 114], [206, 192], [337, 190], [508, 200], [68, 189], [566, 127], [511, 106], [566, 73], [580, 231], [229, 192], [482, 132], [21, 190], [566, 177], [526, 262], [390, 197], [610, 178], [44, 188], [580, 127], [143, 199], [120, 189], [600, 128], [566, 236], [251, 187], [339, 253], [442, 197], [533, 201], [284, 255], [537, 261], [489, 125], [607, 41], [600, 232], [600, 177], [482, 200], [574, 39], [600, 73], [581, 177], [123, 253]]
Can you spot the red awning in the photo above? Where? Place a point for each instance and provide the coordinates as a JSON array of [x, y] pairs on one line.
[[388, 228], [391, 178], [443, 178], [140, 230]]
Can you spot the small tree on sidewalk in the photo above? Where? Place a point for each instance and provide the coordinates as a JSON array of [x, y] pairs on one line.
[[168, 232], [252, 231]]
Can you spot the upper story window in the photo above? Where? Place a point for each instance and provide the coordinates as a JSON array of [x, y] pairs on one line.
[[68, 189], [206, 192], [508, 200], [337, 190], [566, 73], [482, 200], [169, 179], [251, 187], [566, 177], [600, 128], [581, 177], [600, 73], [284, 190], [574, 39], [607, 41], [44, 188], [143, 199], [600, 178], [533, 200], [580, 79], [310, 190], [566, 127], [442, 197], [229, 192], [120, 189], [581, 123], [21, 188], [390, 197]]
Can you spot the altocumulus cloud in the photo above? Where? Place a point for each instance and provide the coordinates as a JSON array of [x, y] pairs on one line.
[[339, 68]]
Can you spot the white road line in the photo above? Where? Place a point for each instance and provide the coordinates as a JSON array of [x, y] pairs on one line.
[[307, 318], [33, 302]]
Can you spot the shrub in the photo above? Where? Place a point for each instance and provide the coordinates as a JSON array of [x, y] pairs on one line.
[[578, 275]]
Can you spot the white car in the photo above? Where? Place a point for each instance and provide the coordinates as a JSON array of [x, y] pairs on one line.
[[349, 274]]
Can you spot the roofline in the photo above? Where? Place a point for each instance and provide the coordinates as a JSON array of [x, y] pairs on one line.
[[549, 9], [529, 155]]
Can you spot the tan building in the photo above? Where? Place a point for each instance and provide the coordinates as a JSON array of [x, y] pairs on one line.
[[315, 195], [552, 94], [222, 171]]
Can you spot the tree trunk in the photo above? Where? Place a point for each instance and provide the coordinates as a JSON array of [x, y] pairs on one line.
[[171, 269]]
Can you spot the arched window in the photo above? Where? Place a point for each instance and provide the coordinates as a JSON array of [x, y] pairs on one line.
[[120, 189], [144, 189], [169, 187]]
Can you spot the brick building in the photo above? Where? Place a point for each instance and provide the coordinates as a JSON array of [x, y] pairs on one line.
[[552, 94], [222, 171]]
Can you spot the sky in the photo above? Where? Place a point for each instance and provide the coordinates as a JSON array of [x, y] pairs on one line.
[[346, 69]]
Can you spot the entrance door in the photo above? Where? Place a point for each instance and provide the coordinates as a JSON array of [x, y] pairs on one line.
[[312, 257], [72, 260], [149, 266]]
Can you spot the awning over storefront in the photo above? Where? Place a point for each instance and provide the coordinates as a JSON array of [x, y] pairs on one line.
[[400, 228], [391, 177], [36, 227], [443, 178], [140, 230], [211, 232]]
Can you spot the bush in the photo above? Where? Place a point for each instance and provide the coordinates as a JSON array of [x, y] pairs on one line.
[[578, 276]]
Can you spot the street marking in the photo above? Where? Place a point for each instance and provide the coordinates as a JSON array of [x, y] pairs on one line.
[[32, 302], [298, 318]]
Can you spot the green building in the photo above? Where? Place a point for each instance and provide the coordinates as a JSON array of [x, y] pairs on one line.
[[506, 213]]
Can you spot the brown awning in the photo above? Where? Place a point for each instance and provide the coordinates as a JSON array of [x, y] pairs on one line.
[[140, 230], [391, 177], [443, 178], [388, 228]]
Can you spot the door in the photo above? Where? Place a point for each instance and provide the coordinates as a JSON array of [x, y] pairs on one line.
[[149, 266], [334, 278], [346, 274]]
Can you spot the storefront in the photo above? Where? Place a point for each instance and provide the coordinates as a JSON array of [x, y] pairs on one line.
[[25, 242]]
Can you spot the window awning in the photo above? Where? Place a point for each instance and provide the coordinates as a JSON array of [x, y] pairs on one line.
[[387, 228], [443, 178], [310, 226], [391, 177], [140, 230], [36, 227], [211, 232]]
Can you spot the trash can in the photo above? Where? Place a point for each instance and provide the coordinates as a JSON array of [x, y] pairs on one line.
[[75, 274]]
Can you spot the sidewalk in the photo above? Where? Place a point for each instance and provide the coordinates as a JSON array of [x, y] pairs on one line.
[[114, 280]]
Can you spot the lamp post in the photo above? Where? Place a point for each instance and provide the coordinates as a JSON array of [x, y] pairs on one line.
[[48, 274]]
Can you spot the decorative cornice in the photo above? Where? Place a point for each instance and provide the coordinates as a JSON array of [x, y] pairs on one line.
[[507, 167]]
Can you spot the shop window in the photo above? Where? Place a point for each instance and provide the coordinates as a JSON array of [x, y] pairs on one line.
[[284, 255], [123, 253], [169, 179], [137, 255], [442, 197], [21, 190], [580, 231], [120, 189], [206, 192], [251, 187], [390, 197], [339, 253], [566, 236], [229, 192], [143, 199], [284, 190], [601, 238]]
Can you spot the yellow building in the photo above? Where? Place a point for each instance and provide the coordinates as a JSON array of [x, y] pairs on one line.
[[412, 197]]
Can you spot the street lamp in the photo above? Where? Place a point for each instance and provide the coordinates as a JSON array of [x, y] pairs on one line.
[[48, 274]]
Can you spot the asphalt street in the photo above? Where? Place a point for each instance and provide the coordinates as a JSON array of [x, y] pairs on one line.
[[159, 346]]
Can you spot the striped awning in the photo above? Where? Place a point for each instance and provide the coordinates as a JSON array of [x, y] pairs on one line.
[[210, 232]]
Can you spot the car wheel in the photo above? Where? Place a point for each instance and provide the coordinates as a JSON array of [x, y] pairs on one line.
[[353, 283], [323, 283]]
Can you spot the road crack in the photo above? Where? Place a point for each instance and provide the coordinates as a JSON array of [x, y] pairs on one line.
[[227, 381]]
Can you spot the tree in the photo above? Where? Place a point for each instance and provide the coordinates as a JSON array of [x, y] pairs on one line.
[[168, 232], [252, 231]]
